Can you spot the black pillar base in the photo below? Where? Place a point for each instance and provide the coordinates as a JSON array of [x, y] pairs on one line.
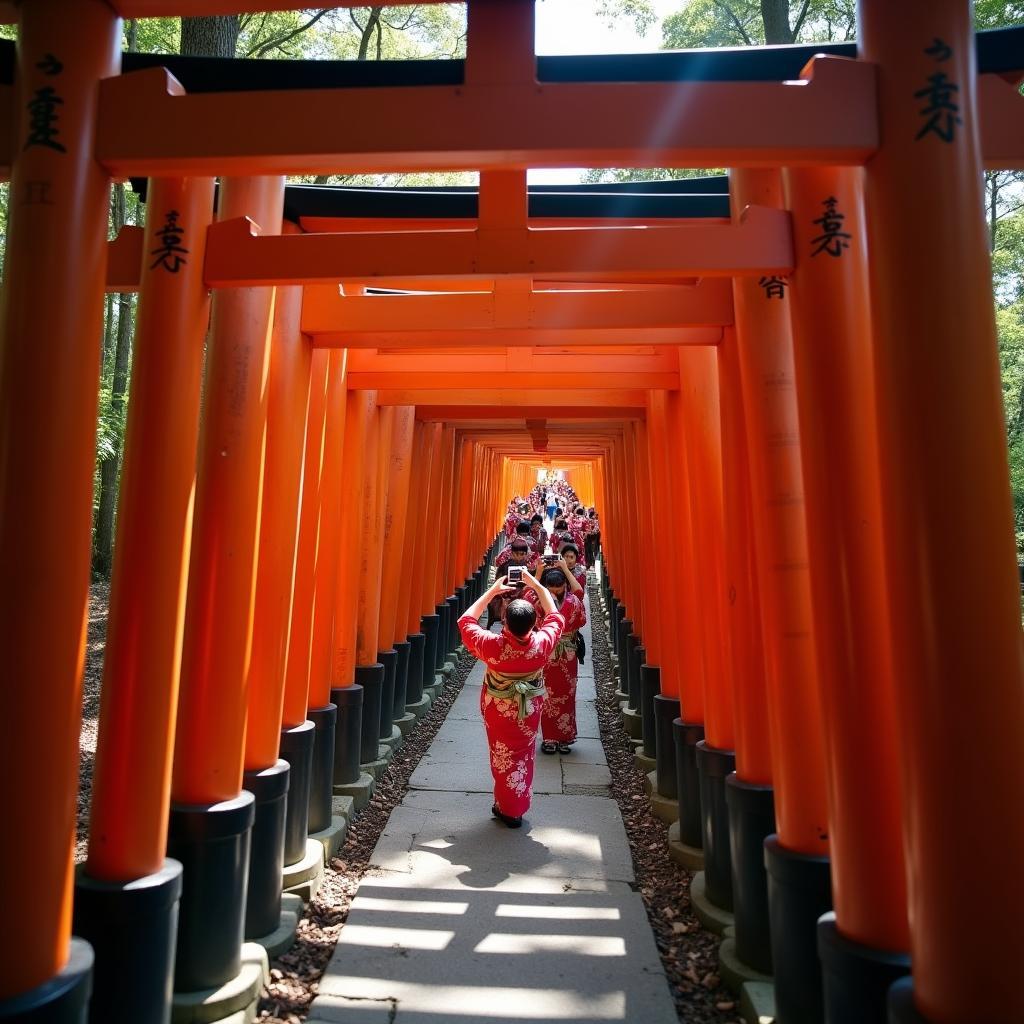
[[856, 978], [431, 627], [625, 630], [617, 626], [650, 687], [266, 859], [453, 624], [371, 679], [212, 843], [348, 738], [443, 630], [751, 821], [389, 659], [321, 791], [612, 604], [666, 711], [901, 1004], [799, 892], [414, 684], [713, 766], [636, 653], [686, 736], [297, 750], [461, 599], [62, 999], [132, 928], [401, 681]]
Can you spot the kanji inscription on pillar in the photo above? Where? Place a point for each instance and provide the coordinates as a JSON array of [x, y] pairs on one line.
[[941, 112]]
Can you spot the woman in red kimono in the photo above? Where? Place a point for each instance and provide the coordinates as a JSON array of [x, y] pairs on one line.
[[558, 718], [513, 692], [571, 557]]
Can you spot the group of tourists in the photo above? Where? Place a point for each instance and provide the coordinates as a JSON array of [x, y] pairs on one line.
[[532, 664]]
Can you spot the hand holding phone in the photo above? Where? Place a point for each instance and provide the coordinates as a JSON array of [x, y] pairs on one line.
[[515, 574]]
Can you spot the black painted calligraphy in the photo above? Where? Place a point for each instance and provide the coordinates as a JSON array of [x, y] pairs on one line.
[[941, 112], [774, 287], [170, 253], [832, 240], [43, 118]]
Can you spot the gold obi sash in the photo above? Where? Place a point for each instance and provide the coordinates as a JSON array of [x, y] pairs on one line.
[[566, 644], [520, 687]]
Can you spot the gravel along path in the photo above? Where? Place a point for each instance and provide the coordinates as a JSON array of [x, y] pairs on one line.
[[689, 954]]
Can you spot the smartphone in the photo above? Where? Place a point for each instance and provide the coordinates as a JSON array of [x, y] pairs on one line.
[[551, 559], [515, 574]]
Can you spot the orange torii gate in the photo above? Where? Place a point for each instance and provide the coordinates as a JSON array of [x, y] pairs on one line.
[[732, 405]]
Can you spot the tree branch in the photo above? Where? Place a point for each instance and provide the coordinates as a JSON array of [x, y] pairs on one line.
[[736, 21], [264, 48], [799, 23]]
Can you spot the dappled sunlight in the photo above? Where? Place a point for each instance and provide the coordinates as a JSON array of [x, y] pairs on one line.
[[558, 913], [519, 1003], [403, 938], [579, 945], [408, 906], [568, 841]]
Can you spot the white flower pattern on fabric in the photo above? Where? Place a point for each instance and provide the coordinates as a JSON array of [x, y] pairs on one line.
[[501, 757], [516, 779]]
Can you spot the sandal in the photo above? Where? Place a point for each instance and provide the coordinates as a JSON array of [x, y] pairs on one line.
[[549, 747], [563, 748]]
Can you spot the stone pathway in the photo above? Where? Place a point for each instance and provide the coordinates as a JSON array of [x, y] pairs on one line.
[[461, 919]]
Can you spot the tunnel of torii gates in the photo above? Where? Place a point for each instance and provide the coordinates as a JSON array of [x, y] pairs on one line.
[[780, 389]]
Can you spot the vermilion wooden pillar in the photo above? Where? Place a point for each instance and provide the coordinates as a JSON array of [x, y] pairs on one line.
[[393, 636], [321, 719], [371, 546], [131, 785], [835, 388], [670, 583], [57, 235], [359, 424], [330, 519], [300, 633], [408, 612], [424, 564], [211, 814], [280, 783], [798, 870], [954, 591], [715, 438]]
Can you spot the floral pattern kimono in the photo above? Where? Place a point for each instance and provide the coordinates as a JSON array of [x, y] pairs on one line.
[[516, 667]]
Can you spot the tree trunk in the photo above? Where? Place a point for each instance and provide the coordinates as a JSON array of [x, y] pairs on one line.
[[775, 14], [213, 36], [373, 22], [103, 549], [108, 331]]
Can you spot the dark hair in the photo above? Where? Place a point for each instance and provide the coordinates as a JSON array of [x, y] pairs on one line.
[[578, 510], [561, 525], [522, 547], [520, 617], [522, 527], [538, 519], [569, 546], [553, 578]]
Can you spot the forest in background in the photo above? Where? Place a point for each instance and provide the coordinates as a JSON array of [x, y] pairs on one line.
[[438, 31]]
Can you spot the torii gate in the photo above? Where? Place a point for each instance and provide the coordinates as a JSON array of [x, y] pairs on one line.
[[740, 421]]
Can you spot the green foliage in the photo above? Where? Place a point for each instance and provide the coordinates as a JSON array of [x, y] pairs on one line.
[[704, 23]]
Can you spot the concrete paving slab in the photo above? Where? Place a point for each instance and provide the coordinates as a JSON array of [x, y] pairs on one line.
[[590, 776], [486, 956]]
